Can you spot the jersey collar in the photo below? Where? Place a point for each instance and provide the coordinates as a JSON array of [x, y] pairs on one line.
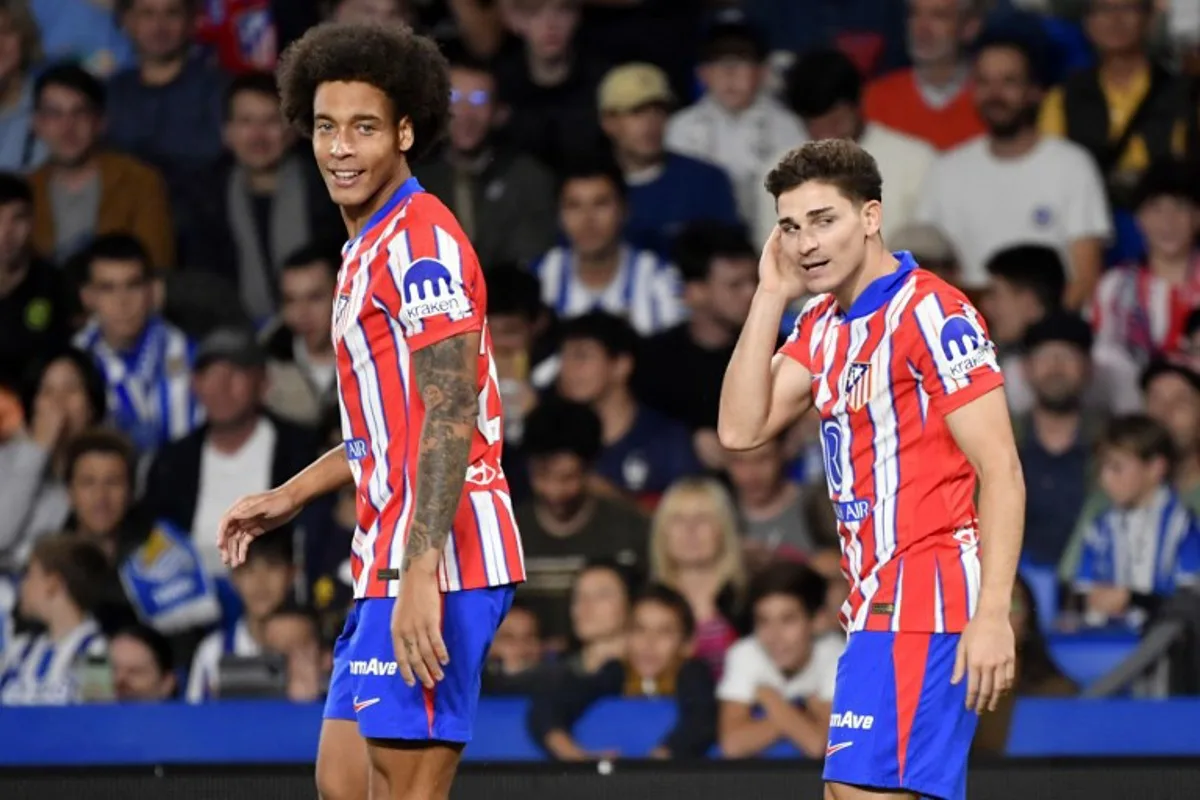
[[405, 191], [880, 291]]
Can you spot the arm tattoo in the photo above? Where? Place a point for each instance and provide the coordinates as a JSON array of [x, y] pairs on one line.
[[446, 379]]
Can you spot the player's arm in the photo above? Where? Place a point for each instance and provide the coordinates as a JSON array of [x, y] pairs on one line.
[[327, 474], [807, 728], [740, 735]]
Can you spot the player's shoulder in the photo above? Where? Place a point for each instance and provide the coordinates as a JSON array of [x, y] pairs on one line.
[[428, 232], [815, 307], [930, 289]]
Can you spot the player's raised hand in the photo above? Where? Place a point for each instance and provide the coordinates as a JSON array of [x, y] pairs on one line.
[[987, 657], [777, 273], [417, 628], [251, 517]]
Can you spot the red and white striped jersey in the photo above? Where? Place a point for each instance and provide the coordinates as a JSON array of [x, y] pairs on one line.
[[885, 374], [1143, 314], [408, 280]]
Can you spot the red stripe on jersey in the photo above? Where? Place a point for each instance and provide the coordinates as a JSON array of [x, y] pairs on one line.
[[954, 587], [910, 651]]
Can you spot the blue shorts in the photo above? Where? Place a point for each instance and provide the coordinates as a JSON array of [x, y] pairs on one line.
[[366, 685], [898, 723]]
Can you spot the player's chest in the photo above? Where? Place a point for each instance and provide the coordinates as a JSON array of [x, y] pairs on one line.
[[361, 323], [855, 367]]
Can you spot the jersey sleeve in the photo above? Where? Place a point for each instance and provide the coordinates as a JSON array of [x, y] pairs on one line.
[[951, 350], [799, 342], [434, 286]]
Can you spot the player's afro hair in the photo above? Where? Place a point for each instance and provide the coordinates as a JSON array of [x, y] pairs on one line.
[[406, 67]]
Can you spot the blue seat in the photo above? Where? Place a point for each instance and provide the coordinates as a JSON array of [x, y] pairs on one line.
[[1043, 584], [501, 734], [632, 727], [1073, 727], [1085, 657]]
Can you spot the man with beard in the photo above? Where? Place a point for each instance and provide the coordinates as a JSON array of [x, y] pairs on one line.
[[1012, 186], [1055, 439]]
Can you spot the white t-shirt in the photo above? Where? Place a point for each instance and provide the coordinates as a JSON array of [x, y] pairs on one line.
[[203, 679], [1052, 196], [747, 667], [224, 477]]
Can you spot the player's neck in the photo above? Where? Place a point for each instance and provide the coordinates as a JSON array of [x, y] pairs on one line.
[[356, 217], [876, 263], [62, 620], [617, 411]]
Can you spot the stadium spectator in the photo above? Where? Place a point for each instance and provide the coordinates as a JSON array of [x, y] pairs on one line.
[[503, 198], [370, 11], [1023, 188], [166, 109], [64, 396], [720, 271], [932, 100], [85, 190], [325, 527], [657, 664], [249, 35], [240, 448], [143, 666], [263, 584], [736, 124], [83, 31], [35, 300], [930, 248], [1127, 111], [643, 452], [301, 363], [599, 609], [784, 669], [666, 190], [825, 88], [516, 654], [694, 550], [1147, 543], [294, 633], [58, 592], [598, 268], [259, 205], [145, 360], [1141, 309], [20, 149], [549, 82], [568, 521], [1057, 437], [517, 320]]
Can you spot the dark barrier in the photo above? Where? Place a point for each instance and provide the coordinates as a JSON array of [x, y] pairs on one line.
[[1110, 779]]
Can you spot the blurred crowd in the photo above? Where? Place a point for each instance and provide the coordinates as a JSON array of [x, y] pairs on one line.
[[168, 256]]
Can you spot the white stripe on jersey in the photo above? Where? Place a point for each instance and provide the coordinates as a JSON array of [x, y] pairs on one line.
[[396, 557], [859, 333], [181, 409], [489, 535], [897, 604], [508, 509], [23, 681], [930, 318]]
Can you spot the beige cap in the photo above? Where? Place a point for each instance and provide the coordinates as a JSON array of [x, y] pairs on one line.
[[924, 242], [631, 86]]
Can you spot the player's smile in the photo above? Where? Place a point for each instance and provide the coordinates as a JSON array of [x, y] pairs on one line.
[[345, 178]]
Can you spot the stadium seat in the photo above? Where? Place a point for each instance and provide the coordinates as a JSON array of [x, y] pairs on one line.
[[501, 733], [632, 727], [1071, 727], [1043, 583], [1086, 657]]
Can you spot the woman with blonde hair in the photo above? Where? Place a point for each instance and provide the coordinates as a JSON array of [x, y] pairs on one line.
[[20, 52], [694, 549]]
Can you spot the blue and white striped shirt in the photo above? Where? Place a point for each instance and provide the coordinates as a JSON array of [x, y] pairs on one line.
[[646, 290], [36, 671], [149, 387], [204, 677]]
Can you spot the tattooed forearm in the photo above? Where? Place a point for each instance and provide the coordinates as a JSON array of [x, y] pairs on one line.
[[446, 378]]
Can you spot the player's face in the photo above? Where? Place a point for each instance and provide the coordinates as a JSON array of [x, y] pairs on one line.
[[1057, 373], [307, 303], [472, 107], [121, 298], [99, 492], [159, 28], [16, 229], [1116, 26], [1125, 478], [730, 288], [656, 640], [784, 628], [1004, 95], [263, 585], [825, 234], [63, 386], [599, 605], [1174, 404], [230, 394], [369, 11], [935, 30], [693, 533], [136, 676], [732, 82], [548, 30], [586, 371], [359, 145], [517, 645], [559, 484], [638, 134], [256, 133], [68, 125], [591, 213], [755, 474], [1169, 225], [843, 121]]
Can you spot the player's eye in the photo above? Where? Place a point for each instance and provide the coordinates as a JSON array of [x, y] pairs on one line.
[[324, 127], [366, 130]]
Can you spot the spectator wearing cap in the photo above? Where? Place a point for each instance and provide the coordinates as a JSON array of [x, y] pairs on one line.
[[146, 361], [1171, 386], [1055, 439], [736, 125], [548, 83], [931, 100], [241, 448], [1141, 309], [503, 198], [824, 88], [1023, 188], [666, 190]]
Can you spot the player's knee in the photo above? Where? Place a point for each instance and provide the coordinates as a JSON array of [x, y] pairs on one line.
[[335, 782]]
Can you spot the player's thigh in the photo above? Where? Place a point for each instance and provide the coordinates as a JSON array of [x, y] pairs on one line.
[[343, 767], [415, 770], [842, 791]]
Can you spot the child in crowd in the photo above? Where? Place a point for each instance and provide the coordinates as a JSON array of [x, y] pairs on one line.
[[263, 584], [1147, 543], [516, 652], [58, 592], [784, 670], [658, 663], [294, 633]]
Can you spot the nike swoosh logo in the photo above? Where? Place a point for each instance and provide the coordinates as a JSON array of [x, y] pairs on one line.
[[359, 706], [833, 748]]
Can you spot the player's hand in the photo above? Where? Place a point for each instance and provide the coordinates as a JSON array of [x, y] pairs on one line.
[[417, 628], [777, 273], [987, 656], [251, 517]]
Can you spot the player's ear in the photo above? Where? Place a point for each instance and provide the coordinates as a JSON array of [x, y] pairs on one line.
[[405, 137], [872, 216]]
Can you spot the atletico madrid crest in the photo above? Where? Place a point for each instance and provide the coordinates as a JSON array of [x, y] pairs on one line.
[[858, 385]]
